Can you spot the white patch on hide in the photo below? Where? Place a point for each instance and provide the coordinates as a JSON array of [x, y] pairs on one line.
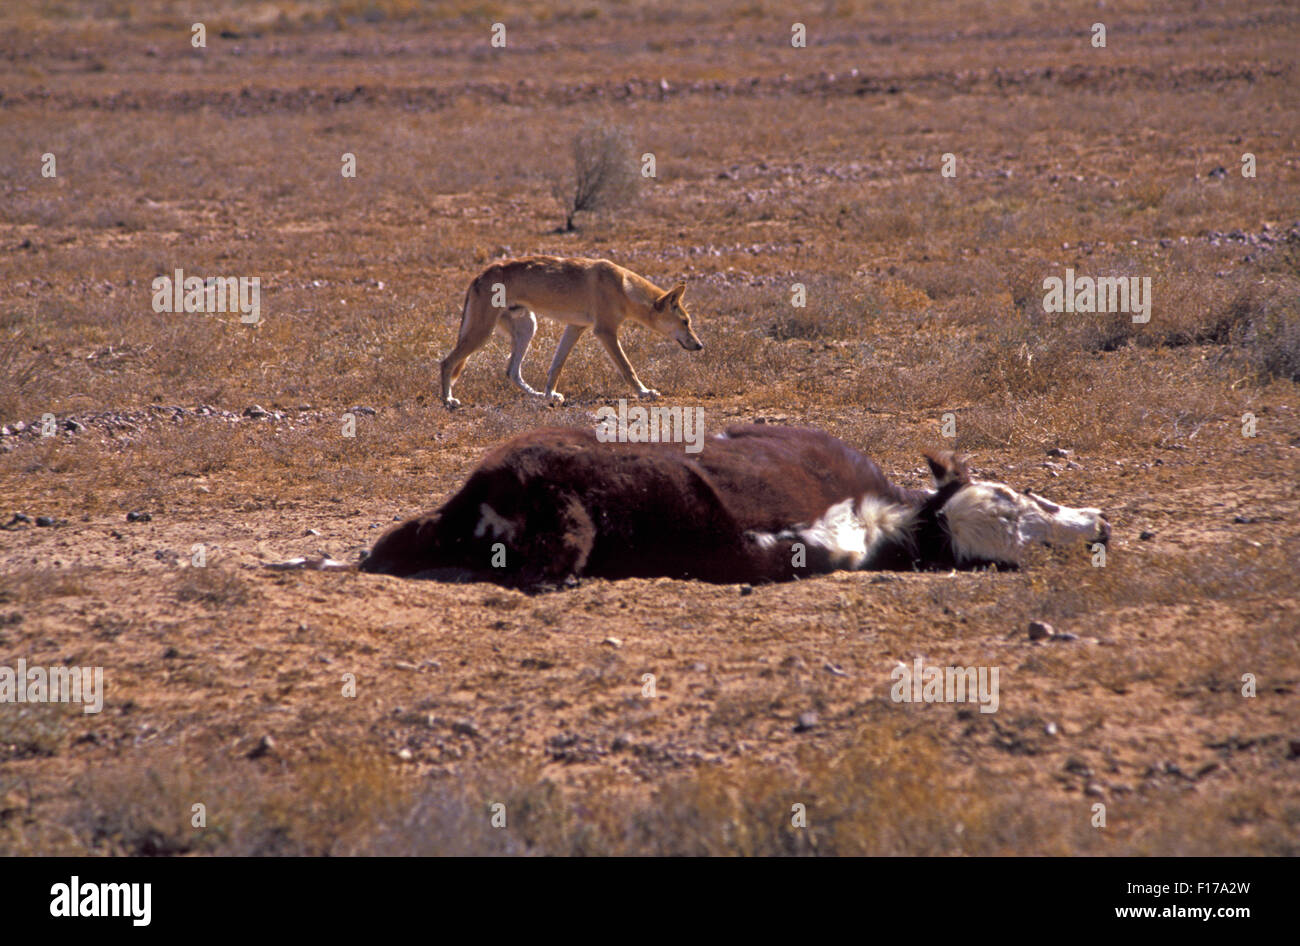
[[849, 533], [493, 522]]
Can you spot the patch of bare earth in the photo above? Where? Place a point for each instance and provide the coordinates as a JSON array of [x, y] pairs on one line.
[[316, 712]]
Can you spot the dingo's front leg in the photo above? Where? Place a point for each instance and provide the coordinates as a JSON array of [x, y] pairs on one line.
[[567, 341], [619, 357]]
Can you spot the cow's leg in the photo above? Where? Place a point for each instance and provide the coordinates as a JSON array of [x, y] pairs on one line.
[[567, 341], [609, 339]]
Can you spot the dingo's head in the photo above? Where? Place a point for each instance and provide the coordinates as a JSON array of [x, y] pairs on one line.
[[669, 318]]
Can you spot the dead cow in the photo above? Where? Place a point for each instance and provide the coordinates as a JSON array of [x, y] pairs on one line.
[[757, 504]]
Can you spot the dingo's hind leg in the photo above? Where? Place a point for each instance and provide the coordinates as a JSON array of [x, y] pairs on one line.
[[522, 324], [474, 334]]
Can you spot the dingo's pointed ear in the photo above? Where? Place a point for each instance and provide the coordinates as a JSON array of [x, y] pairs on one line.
[[672, 295]]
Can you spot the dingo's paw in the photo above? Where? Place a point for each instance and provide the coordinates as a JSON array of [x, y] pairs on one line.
[[451, 403], [648, 393], [556, 398]]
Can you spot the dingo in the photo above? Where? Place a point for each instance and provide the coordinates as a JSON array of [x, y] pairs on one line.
[[583, 294]]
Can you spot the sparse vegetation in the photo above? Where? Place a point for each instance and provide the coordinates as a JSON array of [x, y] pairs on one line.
[[776, 166], [605, 174]]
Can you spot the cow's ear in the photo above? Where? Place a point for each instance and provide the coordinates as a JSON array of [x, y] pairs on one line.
[[947, 467]]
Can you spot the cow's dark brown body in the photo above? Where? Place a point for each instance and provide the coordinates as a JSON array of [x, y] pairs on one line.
[[567, 505]]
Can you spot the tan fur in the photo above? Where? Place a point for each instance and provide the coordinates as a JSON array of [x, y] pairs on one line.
[[579, 292]]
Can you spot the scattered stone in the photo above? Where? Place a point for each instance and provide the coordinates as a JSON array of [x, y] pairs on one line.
[[830, 667], [1040, 630], [1218, 173], [1065, 636], [1146, 535], [1244, 520], [44, 521], [746, 590], [1093, 790], [1206, 769], [1293, 749], [368, 411], [312, 532], [465, 727], [406, 755], [1050, 729], [700, 667], [139, 517], [806, 722], [20, 518], [621, 742], [73, 427], [265, 746], [612, 642], [171, 653], [256, 411], [1058, 452], [1076, 766]]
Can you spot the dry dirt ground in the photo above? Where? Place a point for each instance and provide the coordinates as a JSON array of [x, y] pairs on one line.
[[313, 712]]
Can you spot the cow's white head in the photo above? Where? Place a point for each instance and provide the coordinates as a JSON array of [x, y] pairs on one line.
[[991, 522]]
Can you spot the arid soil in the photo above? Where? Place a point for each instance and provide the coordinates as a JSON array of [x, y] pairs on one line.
[[336, 712]]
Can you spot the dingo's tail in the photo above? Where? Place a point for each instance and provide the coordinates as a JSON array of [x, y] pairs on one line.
[[464, 313]]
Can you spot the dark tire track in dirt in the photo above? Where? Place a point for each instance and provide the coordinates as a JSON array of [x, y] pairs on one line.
[[529, 93]]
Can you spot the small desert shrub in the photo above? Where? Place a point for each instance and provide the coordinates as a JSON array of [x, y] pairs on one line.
[[1284, 258], [1020, 356], [1266, 320], [213, 587], [33, 729], [1147, 193], [1024, 280], [605, 174], [19, 371], [943, 280], [835, 309], [868, 222], [35, 584]]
